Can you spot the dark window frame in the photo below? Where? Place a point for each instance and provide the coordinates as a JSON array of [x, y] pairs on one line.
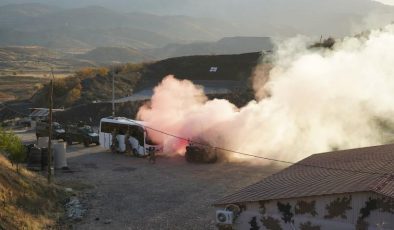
[[136, 131]]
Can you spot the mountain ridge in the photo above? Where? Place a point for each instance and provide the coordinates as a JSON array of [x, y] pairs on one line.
[[94, 26], [88, 26]]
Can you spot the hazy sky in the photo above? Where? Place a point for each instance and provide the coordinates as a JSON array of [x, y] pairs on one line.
[[228, 9], [259, 17], [201, 7]]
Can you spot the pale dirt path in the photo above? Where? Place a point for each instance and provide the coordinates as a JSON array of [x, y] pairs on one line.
[[134, 194]]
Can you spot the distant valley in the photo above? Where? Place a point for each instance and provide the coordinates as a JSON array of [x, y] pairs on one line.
[[94, 26], [148, 44], [36, 36], [39, 59]]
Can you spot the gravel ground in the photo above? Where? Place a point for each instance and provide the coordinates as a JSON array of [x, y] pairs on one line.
[[123, 192]]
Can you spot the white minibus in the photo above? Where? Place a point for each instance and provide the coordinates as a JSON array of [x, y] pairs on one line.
[[139, 141]]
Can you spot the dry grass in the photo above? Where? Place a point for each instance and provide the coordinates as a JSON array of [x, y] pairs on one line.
[[6, 97], [26, 201], [23, 86], [20, 87]]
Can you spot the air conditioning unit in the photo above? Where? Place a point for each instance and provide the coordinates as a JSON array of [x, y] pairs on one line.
[[224, 217]]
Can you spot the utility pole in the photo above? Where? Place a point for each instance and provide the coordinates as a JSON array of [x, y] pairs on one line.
[[50, 128], [113, 93]]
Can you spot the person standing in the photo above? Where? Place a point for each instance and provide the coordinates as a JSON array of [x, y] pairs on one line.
[[115, 142], [127, 143], [152, 155]]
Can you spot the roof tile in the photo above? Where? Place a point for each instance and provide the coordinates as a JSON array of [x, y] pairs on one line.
[[346, 171]]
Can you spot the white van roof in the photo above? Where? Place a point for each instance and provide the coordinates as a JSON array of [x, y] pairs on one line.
[[123, 120]]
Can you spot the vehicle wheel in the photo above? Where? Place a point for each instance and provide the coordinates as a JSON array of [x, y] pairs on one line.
[[86, 143]]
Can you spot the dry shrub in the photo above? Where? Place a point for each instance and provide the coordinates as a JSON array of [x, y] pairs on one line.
[[130, 67], [74, 94], [91, 72], [26, 202]]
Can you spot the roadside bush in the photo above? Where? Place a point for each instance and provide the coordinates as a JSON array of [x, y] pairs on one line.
[[12, 146], [102, 71], [74, 94], [91, 72], [90, 84], [38, 86], [60, 87], [131, 67], [85, 72]]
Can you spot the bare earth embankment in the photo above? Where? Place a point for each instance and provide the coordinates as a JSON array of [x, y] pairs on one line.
[[27, 201]]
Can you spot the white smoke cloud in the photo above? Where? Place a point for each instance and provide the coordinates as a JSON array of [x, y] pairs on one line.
[[374, 19], [319, 100], [386, 2]]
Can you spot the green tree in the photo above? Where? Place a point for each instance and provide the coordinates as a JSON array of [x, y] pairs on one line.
[[12, 146]]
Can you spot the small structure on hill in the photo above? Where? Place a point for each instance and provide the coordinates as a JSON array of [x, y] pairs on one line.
[[213, 69], [41, 113], [349, 189]]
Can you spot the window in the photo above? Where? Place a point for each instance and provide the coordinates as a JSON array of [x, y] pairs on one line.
[[134, 130], [87, 129], [137, 132], [108, 127]]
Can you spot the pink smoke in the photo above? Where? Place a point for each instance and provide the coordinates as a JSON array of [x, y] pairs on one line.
[[181, 108], [313, 101]]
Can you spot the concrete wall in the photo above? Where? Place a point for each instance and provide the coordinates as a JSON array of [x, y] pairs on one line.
[[320, 220]]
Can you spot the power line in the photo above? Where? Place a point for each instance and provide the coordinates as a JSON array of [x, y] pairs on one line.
[[237, 152], [262, 157]]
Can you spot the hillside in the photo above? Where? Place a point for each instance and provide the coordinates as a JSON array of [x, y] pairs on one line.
[[26, 201], [237, 67], [17, 13], [93, 84], [19, 87], [107, 55], [94, 26], [38, 59], [196, 20], [228, 45], [190, 32], [19, 59], [90, 89], [90, 84]]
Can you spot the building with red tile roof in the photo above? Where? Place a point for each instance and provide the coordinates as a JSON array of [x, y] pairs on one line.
[[348, 189]]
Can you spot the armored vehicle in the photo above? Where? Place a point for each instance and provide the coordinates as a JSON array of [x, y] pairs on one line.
[[42, 130], [81, 134], [200, 154]]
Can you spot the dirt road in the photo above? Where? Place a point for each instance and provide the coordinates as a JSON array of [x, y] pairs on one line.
[[123, 192]]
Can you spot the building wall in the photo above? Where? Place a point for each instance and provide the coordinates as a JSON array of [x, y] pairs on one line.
[[340, 212]]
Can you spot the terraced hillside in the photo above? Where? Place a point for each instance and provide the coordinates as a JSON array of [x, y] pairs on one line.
[[19, 87], [20, 60]]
